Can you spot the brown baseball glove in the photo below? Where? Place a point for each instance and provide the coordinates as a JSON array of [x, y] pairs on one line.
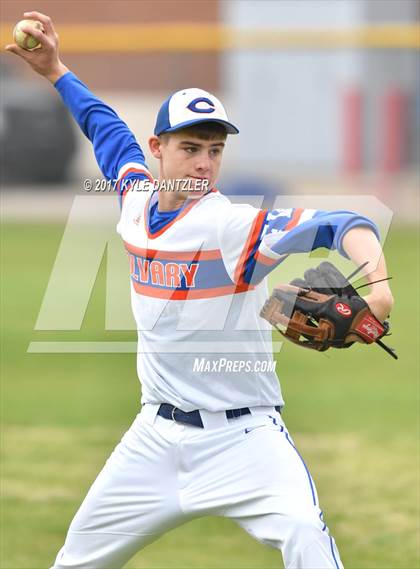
[[323, 310]]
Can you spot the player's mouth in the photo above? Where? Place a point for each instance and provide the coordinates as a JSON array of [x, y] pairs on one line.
[[199, 178], [201, 183]]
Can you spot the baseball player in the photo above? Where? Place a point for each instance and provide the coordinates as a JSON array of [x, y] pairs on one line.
[[210, 438]]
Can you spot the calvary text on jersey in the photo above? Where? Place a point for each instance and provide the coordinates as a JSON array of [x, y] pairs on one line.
[[170, 274]]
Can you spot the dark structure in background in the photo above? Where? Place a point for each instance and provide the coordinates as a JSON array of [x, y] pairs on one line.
[[37, 138], [132, 72], [35, 133]]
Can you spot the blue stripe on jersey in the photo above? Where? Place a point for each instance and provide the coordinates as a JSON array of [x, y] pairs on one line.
[[250, 261], [169, 274]]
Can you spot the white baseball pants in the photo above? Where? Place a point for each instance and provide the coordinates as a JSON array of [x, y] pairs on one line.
[[164, 473]]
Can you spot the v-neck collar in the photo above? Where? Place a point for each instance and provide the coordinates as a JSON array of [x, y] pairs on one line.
[[181, 212]]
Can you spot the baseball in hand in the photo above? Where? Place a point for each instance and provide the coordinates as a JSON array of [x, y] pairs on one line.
[[24, 40]]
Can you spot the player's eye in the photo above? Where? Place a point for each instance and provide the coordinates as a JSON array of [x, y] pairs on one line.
[[190, 149]]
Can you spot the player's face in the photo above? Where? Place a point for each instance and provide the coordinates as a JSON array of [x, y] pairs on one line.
[[184, 156]]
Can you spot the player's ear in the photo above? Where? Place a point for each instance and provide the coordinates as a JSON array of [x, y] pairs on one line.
[[155, 146]]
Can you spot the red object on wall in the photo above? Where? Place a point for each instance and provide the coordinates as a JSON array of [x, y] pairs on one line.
[[352, 131], [394, 130]]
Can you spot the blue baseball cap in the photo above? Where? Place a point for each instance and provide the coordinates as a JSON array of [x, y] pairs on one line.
[[191, 106]]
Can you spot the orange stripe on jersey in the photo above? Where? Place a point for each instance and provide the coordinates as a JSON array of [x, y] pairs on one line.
[[132, 171], [252, 238], [294, 219], [200, 255], [189, 294], [177, 218], [264, 260]]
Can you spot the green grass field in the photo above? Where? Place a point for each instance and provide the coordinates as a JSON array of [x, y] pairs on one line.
[[353, 415]]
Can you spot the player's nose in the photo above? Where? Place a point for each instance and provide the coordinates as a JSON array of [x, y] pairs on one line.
[[203, 162]]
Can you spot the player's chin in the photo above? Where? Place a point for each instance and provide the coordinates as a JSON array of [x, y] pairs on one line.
[[197, 187]]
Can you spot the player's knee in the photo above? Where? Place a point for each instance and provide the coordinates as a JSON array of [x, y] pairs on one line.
[[280, 531], [302, 531], [302, 525]]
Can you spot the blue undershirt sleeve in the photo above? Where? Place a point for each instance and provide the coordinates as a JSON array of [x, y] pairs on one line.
[[298, 231], [113, 142]]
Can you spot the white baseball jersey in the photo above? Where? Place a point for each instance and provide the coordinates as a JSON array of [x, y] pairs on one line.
[[194, 315]]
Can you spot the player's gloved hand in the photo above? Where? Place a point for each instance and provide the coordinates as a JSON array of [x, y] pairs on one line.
[[44, 60], [323, 310]]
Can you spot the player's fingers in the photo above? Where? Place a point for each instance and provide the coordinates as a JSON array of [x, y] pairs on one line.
[[13, 48], [44, 19], [47, 42], [10, 47], [37, 34]]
